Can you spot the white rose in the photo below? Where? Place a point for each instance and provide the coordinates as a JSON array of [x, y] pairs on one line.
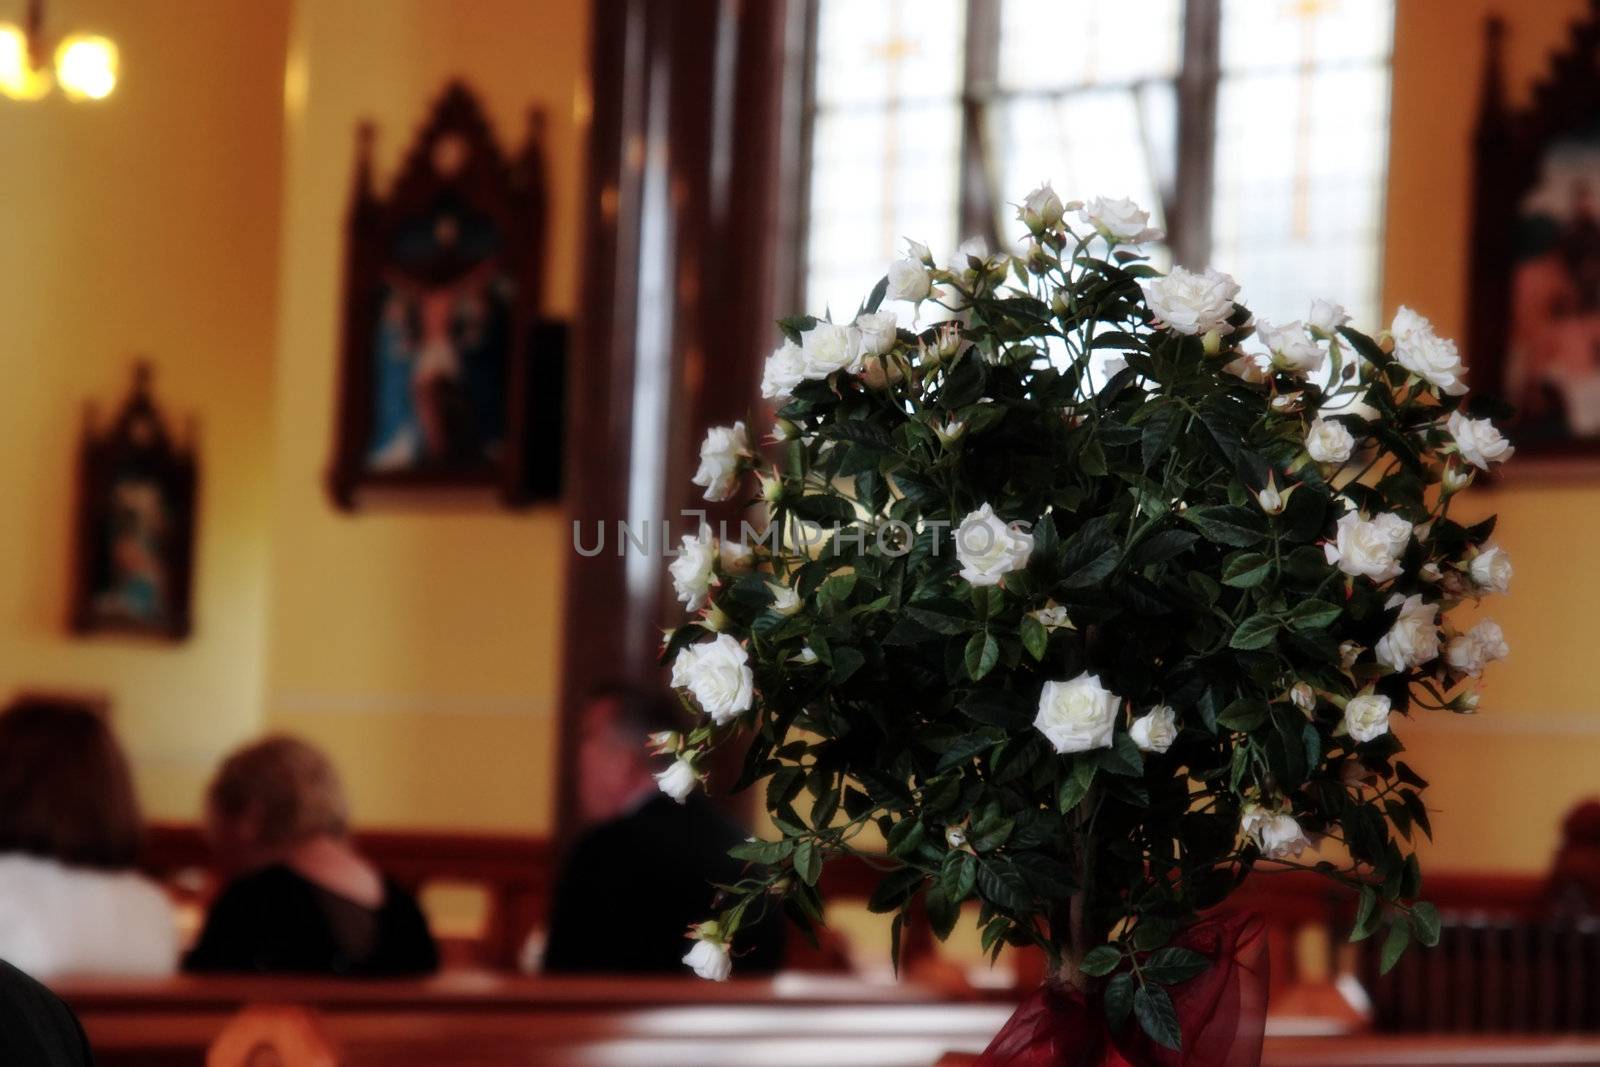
[[1397, 530], [1414, 638], [909, 280], [1041, 209], [878, 331], [1424, 353], [1303, 696], [678, 780], [1326, 317], [1349, 652], [1155, 730], [1470, 652], [1079, 715], [1270, 499], [1119, 221], [1479, 443], [949, 431], [989, 549], [1329, 442], [1190, 303], [805, 657], [826, 348], [919, 251], [1456, 478], [1275, 833], [735, 557], [1248, 367], [1053, 617], [720, 455], [1290, 348], [710, 960], [1491, 569], [718, 675], [1367, 716], [695, 568], [1366, 549], [785, 601], [785, 369]]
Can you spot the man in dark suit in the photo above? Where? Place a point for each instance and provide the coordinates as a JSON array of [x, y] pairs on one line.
[[636, 881]]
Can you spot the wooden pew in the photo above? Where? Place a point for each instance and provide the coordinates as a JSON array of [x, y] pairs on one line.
[[487, 1020]]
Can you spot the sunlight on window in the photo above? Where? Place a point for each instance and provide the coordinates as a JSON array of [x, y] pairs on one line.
[[1085, 95], [886, 141], [1302, 139]]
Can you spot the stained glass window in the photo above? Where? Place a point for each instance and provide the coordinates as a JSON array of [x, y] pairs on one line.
[[1086, 94]]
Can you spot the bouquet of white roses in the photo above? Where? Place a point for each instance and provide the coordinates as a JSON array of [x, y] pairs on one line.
[[1090, 598]]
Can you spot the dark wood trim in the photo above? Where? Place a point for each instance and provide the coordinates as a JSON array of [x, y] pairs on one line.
[[682, 206], [1188, 211]]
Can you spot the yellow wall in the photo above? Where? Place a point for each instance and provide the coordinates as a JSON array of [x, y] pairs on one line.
[[1501, 781], [148, 223], [422, 646]]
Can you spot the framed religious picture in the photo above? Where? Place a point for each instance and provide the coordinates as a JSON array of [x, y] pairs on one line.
[[134, 539], [1534, 329], [450, 379]]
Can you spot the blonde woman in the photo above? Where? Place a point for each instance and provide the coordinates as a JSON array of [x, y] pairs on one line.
[[300, 897]]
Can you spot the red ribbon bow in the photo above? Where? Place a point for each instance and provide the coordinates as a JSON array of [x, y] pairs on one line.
[[1222, 1013]]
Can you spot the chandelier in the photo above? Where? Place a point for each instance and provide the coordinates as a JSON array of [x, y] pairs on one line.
[[85, 63]]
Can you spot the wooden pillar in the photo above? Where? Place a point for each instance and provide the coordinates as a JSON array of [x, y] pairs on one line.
[[683, 222]]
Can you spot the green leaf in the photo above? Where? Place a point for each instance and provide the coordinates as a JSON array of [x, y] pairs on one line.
[[1258, 631], [939, 621], [1100, 960], [1122, 757], [897, 887], [1313, 615], [959, 875], [762, 851], [1425, 923], [1366, 912], [1003, 885], [1075, 786], [808, 862], [1157, 1017], [1228, 524], [906, 837], [983, 652], [1244, 715], [1119, 1000], [1246, 570], [1169, 966], [1035, 638], [1394, 946], [1160, 547]]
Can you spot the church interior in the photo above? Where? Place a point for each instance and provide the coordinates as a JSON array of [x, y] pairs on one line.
[[348, 343]]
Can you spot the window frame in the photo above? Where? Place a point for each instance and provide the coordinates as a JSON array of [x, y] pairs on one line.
[[1187, 206]]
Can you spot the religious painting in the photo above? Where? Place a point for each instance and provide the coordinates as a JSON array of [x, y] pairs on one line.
[[1534, 334], [135, 523], [451, 379]]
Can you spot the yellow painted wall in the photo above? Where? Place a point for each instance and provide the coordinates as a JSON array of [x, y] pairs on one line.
[[1500, 781], [147, 223], [422, 646]]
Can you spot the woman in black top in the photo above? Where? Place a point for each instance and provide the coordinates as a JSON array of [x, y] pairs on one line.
[[36, 1029], [302, 899]]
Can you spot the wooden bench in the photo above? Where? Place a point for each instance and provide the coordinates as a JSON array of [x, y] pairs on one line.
[[468, 1019]]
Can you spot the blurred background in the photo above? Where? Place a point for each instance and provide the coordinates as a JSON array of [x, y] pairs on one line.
[[326, 322]]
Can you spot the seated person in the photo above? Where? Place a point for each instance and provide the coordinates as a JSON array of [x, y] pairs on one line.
[[70, 900], [301, 899], [36, 1028], [633, 884]]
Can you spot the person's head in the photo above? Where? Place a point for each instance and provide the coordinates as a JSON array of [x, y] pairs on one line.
[[614, 766], [65, 789], [271, 796]]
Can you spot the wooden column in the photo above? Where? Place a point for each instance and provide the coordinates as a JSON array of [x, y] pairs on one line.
[[683, 218]]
